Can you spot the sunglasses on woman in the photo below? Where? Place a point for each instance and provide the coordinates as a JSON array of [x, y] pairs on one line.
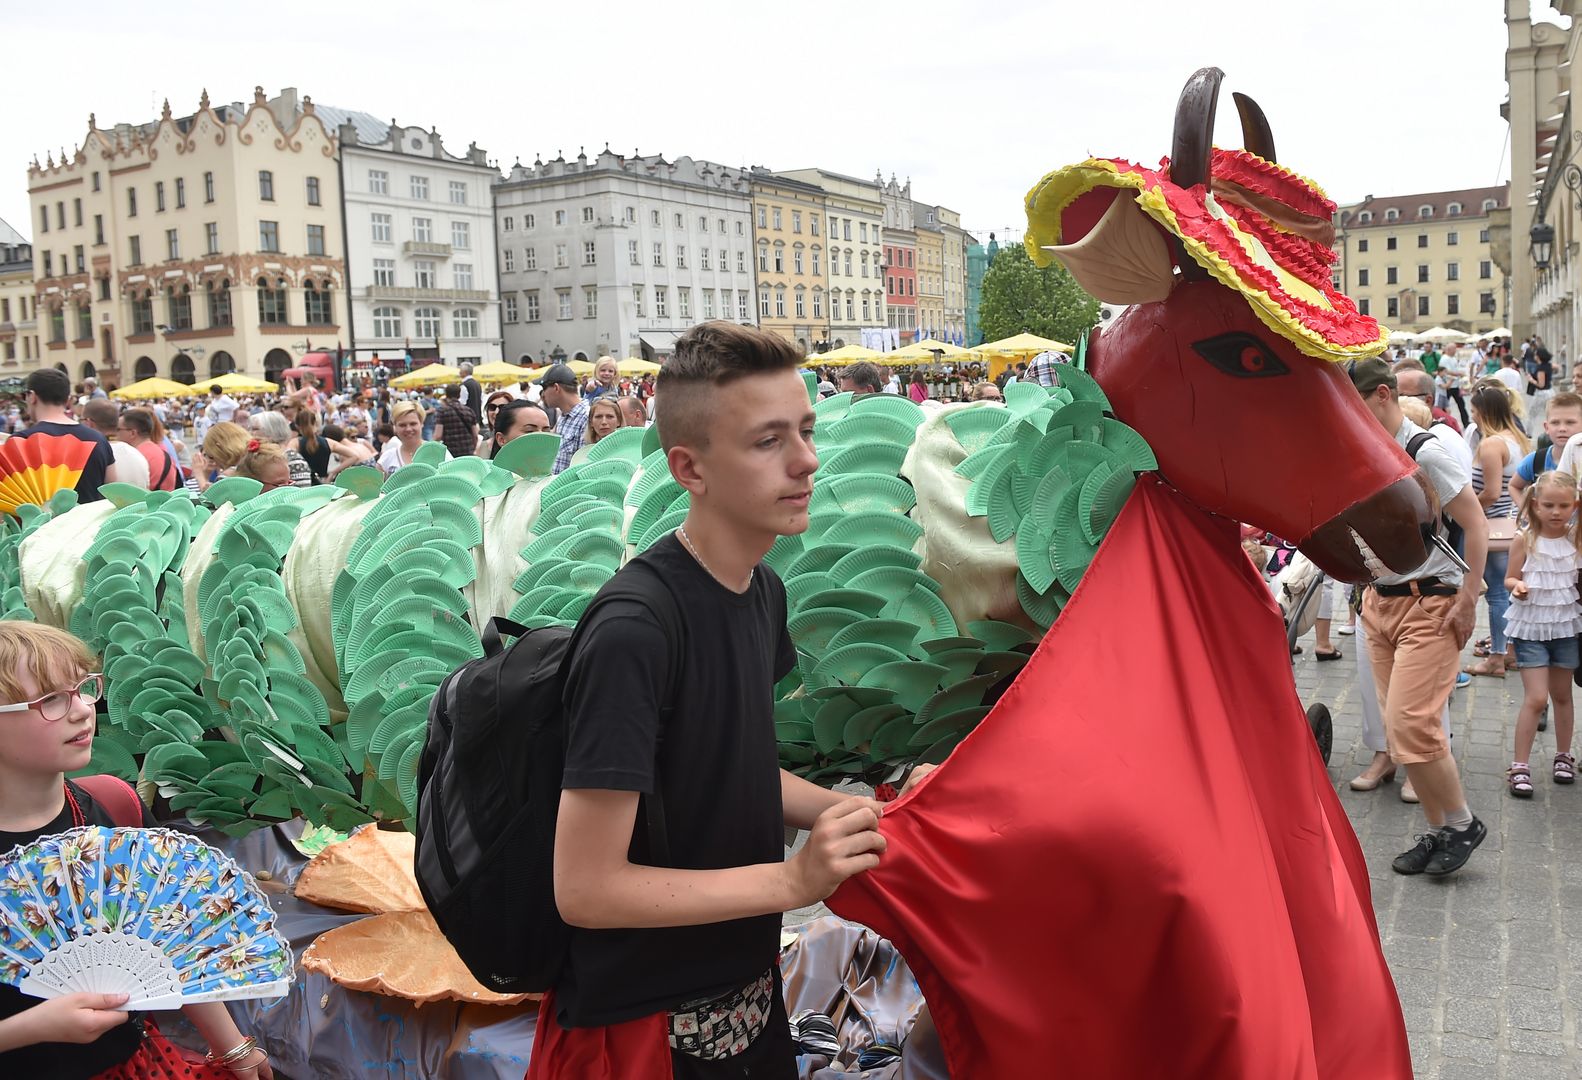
[[57, 705]]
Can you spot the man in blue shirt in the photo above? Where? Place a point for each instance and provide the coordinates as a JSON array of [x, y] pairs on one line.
[[561, 391]]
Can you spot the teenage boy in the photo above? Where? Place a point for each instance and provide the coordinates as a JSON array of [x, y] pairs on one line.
[[1562, 419], [1416, 625], [672, 968]]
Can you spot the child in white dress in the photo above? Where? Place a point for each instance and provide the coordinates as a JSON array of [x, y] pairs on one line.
[[1543, 621]]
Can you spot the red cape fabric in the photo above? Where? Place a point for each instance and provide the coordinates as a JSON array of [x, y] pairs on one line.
[[1136, 866], [636, 1050]]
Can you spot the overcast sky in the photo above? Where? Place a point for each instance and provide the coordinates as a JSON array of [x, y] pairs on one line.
[[973, 102]]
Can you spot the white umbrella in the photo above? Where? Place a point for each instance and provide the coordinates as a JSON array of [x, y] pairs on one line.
[[1497, 332], [1442, 334], [1402, 337]]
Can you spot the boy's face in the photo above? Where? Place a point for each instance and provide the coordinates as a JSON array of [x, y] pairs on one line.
[[757, 471], [1563, 423], [29, 743]]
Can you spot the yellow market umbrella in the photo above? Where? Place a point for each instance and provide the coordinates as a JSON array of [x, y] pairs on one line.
[[428, 375], [498, 372], [582, 368], [925, 351], [148, 389], [1021, 345], [846, 354], [634, 365], [242, 384]]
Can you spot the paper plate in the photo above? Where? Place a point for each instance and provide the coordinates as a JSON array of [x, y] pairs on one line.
[[800, 588], [896, 406], [864, 603], [624, 442], [829, 723], [875, 527], [1080, 385], [848, 665], [597, 547], [783, 552], [813, 628], [914, 681], [956, 724], [819, 559], [865, 723], [891, 741], [881, 458], [861, 560], [968, 693], [666, 524], [1043, 609], [924, 609], [233, 489], [891, 633], [959, 664], [833, 407], [528, 455], [871, 427], [893, 582], [862, 492], [975, 425]]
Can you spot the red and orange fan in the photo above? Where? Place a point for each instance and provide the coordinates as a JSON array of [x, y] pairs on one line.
[[35, 468]]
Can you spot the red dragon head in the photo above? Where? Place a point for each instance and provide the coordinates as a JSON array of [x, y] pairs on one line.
[[1231, 358]]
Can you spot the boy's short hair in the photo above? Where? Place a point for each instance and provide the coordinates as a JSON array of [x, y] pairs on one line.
[[54, 658], [712, 355], [1565, 399], [51, 386]]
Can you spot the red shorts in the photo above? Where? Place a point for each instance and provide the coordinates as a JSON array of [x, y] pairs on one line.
[[636, 1050]]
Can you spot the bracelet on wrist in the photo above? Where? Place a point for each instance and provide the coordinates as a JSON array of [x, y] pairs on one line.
[[239, 1052]]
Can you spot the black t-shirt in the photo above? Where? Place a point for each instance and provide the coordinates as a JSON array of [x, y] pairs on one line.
[[66, 1061], [718, 771], [318, 460], [78, 447]]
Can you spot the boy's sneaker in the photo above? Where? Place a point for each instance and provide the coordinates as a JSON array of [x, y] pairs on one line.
[[1416, 860], [1455, 848]]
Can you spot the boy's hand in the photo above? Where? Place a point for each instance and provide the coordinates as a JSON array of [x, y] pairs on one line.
[[845, 840], [75, 1018]]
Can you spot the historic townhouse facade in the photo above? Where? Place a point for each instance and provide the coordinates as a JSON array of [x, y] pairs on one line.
[[19, 346], [930, 271], [191, 246], [420, 243], [619, 256], [855, 225], [789, 250], [953, 272], [899, 261]]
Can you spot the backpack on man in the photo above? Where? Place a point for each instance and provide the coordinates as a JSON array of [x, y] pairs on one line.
[[489, 793]]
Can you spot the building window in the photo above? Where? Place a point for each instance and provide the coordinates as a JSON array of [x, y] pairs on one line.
[[847, 229], [763, 256], [98, 232], [637, 299], [84, 321], [703, 223], [219, 302], [211, 238], [659, 253], [96, 188], [661, 302], [777, 218], [458, 196], [851, 307], [529, 221], [1485, 269], [563, 303], [684, 303], [818, 303], [703, 258], [135, 253], [1391, 214], [159, 197], [590, 302], [385, 273], [387, 322], [1453, 304], [796, 260], [104, 292], [708, 304], [653, 218], [57, 326], [1392, 308], [763, 217], [590, 253], [379, 184], [272, 302], [631, 215], [461, 274], [1453, 271], [313, 191], [530, 259], [143, 313], [463, 321], [1485, 303], [172, 245], [315, 239], [131, 207], [780, 258], [509, 257], [319, 304], [763, 302], [1422, 273], [1483, 236], [865, 311], [816, 271], [1389, 243], [560, 256], [1362, 277], [509, 224], [268, 236], [425, 323], [1364, 307], [1422, 305], [633, 256], [381, 228], [1452, 239], [560, 217], [741, 262], [800, 303], [266, 185], [530, 299], [681, 256], [587, 215], [461, 235], [864, 264], [848, 260], [1422, 240], [1390, 277], [424, 274], [419, 190], [423, 230], [508, 306], [741, 305]]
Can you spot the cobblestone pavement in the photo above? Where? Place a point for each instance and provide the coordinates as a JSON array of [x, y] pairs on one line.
[[1489, 962]]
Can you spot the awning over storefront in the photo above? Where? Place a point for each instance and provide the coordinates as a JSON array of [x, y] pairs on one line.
[[662, 342]]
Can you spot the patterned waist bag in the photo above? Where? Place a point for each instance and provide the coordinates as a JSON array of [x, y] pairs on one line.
[[723, 1027]]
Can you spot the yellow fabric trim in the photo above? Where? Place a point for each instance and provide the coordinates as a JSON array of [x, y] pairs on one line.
[[1049, 198]]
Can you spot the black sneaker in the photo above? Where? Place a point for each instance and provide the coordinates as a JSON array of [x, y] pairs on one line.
[[1455, 848], [1415, 860]]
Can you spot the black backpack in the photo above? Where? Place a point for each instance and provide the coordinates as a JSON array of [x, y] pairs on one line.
[[489, 793]]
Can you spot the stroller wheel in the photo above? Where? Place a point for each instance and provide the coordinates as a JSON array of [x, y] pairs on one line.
[[1323, 729]]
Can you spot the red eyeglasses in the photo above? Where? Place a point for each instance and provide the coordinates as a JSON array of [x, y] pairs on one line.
[[57, 705]]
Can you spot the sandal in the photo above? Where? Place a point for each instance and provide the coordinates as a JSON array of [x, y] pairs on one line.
[[1492, 666], [1565, 769], [1325, 657], [1519, 778], [1482, 646]]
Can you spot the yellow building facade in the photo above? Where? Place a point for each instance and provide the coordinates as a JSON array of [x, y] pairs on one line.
[[18, 328], [930, 272], [1424, 260], [790, 246], [190, 247]]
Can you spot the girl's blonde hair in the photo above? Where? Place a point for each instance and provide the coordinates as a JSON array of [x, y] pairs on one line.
[[54, 659], [603, 402], [225, 444], [258, 456], [1554, 478], [1417, 411]]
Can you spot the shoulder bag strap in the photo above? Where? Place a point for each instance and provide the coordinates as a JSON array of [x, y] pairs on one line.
[[118, 798]]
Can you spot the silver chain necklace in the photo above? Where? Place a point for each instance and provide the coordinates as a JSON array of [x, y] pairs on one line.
[[692, 549]]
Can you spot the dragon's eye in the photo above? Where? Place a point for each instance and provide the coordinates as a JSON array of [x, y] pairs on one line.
[[1241, 355]]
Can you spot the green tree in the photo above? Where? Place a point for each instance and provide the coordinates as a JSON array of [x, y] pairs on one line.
[[1019, 297]]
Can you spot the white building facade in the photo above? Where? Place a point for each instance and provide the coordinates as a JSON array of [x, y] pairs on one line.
[[619, 256], [420, 243]]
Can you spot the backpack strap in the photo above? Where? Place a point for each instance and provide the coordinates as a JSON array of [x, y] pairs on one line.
[[119, 799]]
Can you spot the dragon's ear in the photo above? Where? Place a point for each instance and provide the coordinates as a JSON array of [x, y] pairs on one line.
[[1123, 258]]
